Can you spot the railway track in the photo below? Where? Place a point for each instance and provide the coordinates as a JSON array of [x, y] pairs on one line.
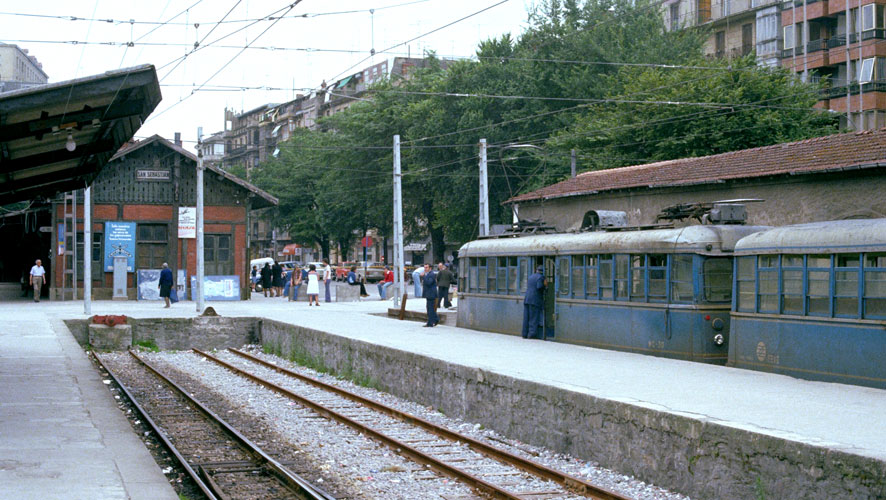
[[487, 469], [223, 463]]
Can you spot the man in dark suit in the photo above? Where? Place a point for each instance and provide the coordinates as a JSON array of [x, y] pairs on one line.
[[429, 292], [533, 304]]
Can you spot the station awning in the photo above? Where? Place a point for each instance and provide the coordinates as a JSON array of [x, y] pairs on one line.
[[57, 137]]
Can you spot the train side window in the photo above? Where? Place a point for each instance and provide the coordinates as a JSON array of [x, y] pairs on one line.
[[591, 276], [578, 273], [767, 277], [523, 273], [462, 274], [492, 286], [818, 285], [747, 280], [875, 285], [512, 275], [481, 274], [638, 277], [658, 277], [681, 278], [846, 285], [792, 284], [622, 270], [606, 277], [563, 276], [502, 275]]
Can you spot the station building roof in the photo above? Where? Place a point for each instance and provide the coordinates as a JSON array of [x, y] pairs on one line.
[[261, 198], [100, 113], [829, 153]]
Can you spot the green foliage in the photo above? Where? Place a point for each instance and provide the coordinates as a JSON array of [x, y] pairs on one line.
[[147, 344], [561, 84]]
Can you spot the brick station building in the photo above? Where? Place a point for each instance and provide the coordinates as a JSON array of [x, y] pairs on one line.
[[142, 189]]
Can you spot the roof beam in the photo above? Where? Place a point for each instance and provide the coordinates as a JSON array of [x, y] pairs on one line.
[[76, 119]]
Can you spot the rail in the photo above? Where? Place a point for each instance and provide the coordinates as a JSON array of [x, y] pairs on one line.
[[565, 480], [201, 475]]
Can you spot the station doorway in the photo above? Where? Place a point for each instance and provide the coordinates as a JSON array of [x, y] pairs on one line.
[[25, 236]]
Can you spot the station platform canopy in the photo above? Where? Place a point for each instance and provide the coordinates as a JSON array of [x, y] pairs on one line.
[[57, 137]]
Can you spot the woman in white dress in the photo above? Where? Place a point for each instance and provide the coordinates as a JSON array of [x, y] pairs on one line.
[[313, 286]]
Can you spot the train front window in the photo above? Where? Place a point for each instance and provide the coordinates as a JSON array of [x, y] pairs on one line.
[[747, 278], [717, 275], [502, 275], [818, 285], [563, 277], [846, 285], [481, 273], [492, 274], [472, 276], [875, 285], [681, 278], [523, 273]]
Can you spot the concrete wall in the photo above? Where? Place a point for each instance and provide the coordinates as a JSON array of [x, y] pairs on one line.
[[213, 332], [703, 459], [790, 200]]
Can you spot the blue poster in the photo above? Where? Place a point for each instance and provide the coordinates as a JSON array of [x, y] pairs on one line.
[[119, 241], [148, 284], [218, 287]]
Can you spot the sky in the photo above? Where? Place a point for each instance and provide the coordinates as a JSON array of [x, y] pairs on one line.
[[331, 42]]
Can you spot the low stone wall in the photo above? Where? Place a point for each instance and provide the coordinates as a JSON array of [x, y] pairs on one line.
[[700, 458], [209, 332]]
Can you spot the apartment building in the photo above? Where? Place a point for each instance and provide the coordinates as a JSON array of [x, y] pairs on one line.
[[18, 69], [737, 27], [816, 46]]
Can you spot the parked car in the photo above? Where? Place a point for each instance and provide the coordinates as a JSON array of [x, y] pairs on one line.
[[341, 271], [374, 271]]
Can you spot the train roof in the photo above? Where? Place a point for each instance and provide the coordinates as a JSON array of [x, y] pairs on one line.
[[707, 240], [826, 237]]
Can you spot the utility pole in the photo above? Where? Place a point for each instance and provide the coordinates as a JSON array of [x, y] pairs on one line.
[[87, 250], [484, 191], [399, 274], [198, 292], [573, 164]]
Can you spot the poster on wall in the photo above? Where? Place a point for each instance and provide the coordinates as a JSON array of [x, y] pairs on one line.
[[187, 222], [148, 284], [218, 287], [61, 239], [119, 241]]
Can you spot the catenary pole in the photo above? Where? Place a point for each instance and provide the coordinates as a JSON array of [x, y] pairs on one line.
[[572, 165], [484, 191], [198, 292], [399, 274], [87, 250]]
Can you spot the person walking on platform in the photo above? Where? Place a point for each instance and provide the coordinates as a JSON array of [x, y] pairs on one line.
[[386, 283], [165, 284], [429, 292], [294, 284], [36, 279], [533, 304], [277, 276], [416, 280], [444, 280], [313, 286], [266, 278], [327, 278]]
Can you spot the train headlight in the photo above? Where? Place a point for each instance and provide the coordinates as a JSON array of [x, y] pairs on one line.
[[717, 324], [719, 339]]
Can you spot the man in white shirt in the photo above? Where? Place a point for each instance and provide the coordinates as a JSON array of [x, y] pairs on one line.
[[36, 279]]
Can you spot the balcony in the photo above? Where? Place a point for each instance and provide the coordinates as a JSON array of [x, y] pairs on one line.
[[788, 53], [840, 40], [838, 88], [817, 45]]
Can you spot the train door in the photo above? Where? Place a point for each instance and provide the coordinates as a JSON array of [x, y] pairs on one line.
[[550, 270]]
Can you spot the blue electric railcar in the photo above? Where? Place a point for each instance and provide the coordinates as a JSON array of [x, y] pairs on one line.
[[810, 301], [665, 292]]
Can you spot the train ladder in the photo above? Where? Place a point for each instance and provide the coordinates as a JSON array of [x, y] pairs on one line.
[[69, 256]]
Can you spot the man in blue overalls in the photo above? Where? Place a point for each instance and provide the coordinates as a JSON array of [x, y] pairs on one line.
[[429, 292], [533, 304]]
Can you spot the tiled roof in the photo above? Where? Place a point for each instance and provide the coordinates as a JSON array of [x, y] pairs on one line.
[[821, 154]]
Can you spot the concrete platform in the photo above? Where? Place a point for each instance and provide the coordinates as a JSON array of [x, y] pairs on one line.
[[707, 431]]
